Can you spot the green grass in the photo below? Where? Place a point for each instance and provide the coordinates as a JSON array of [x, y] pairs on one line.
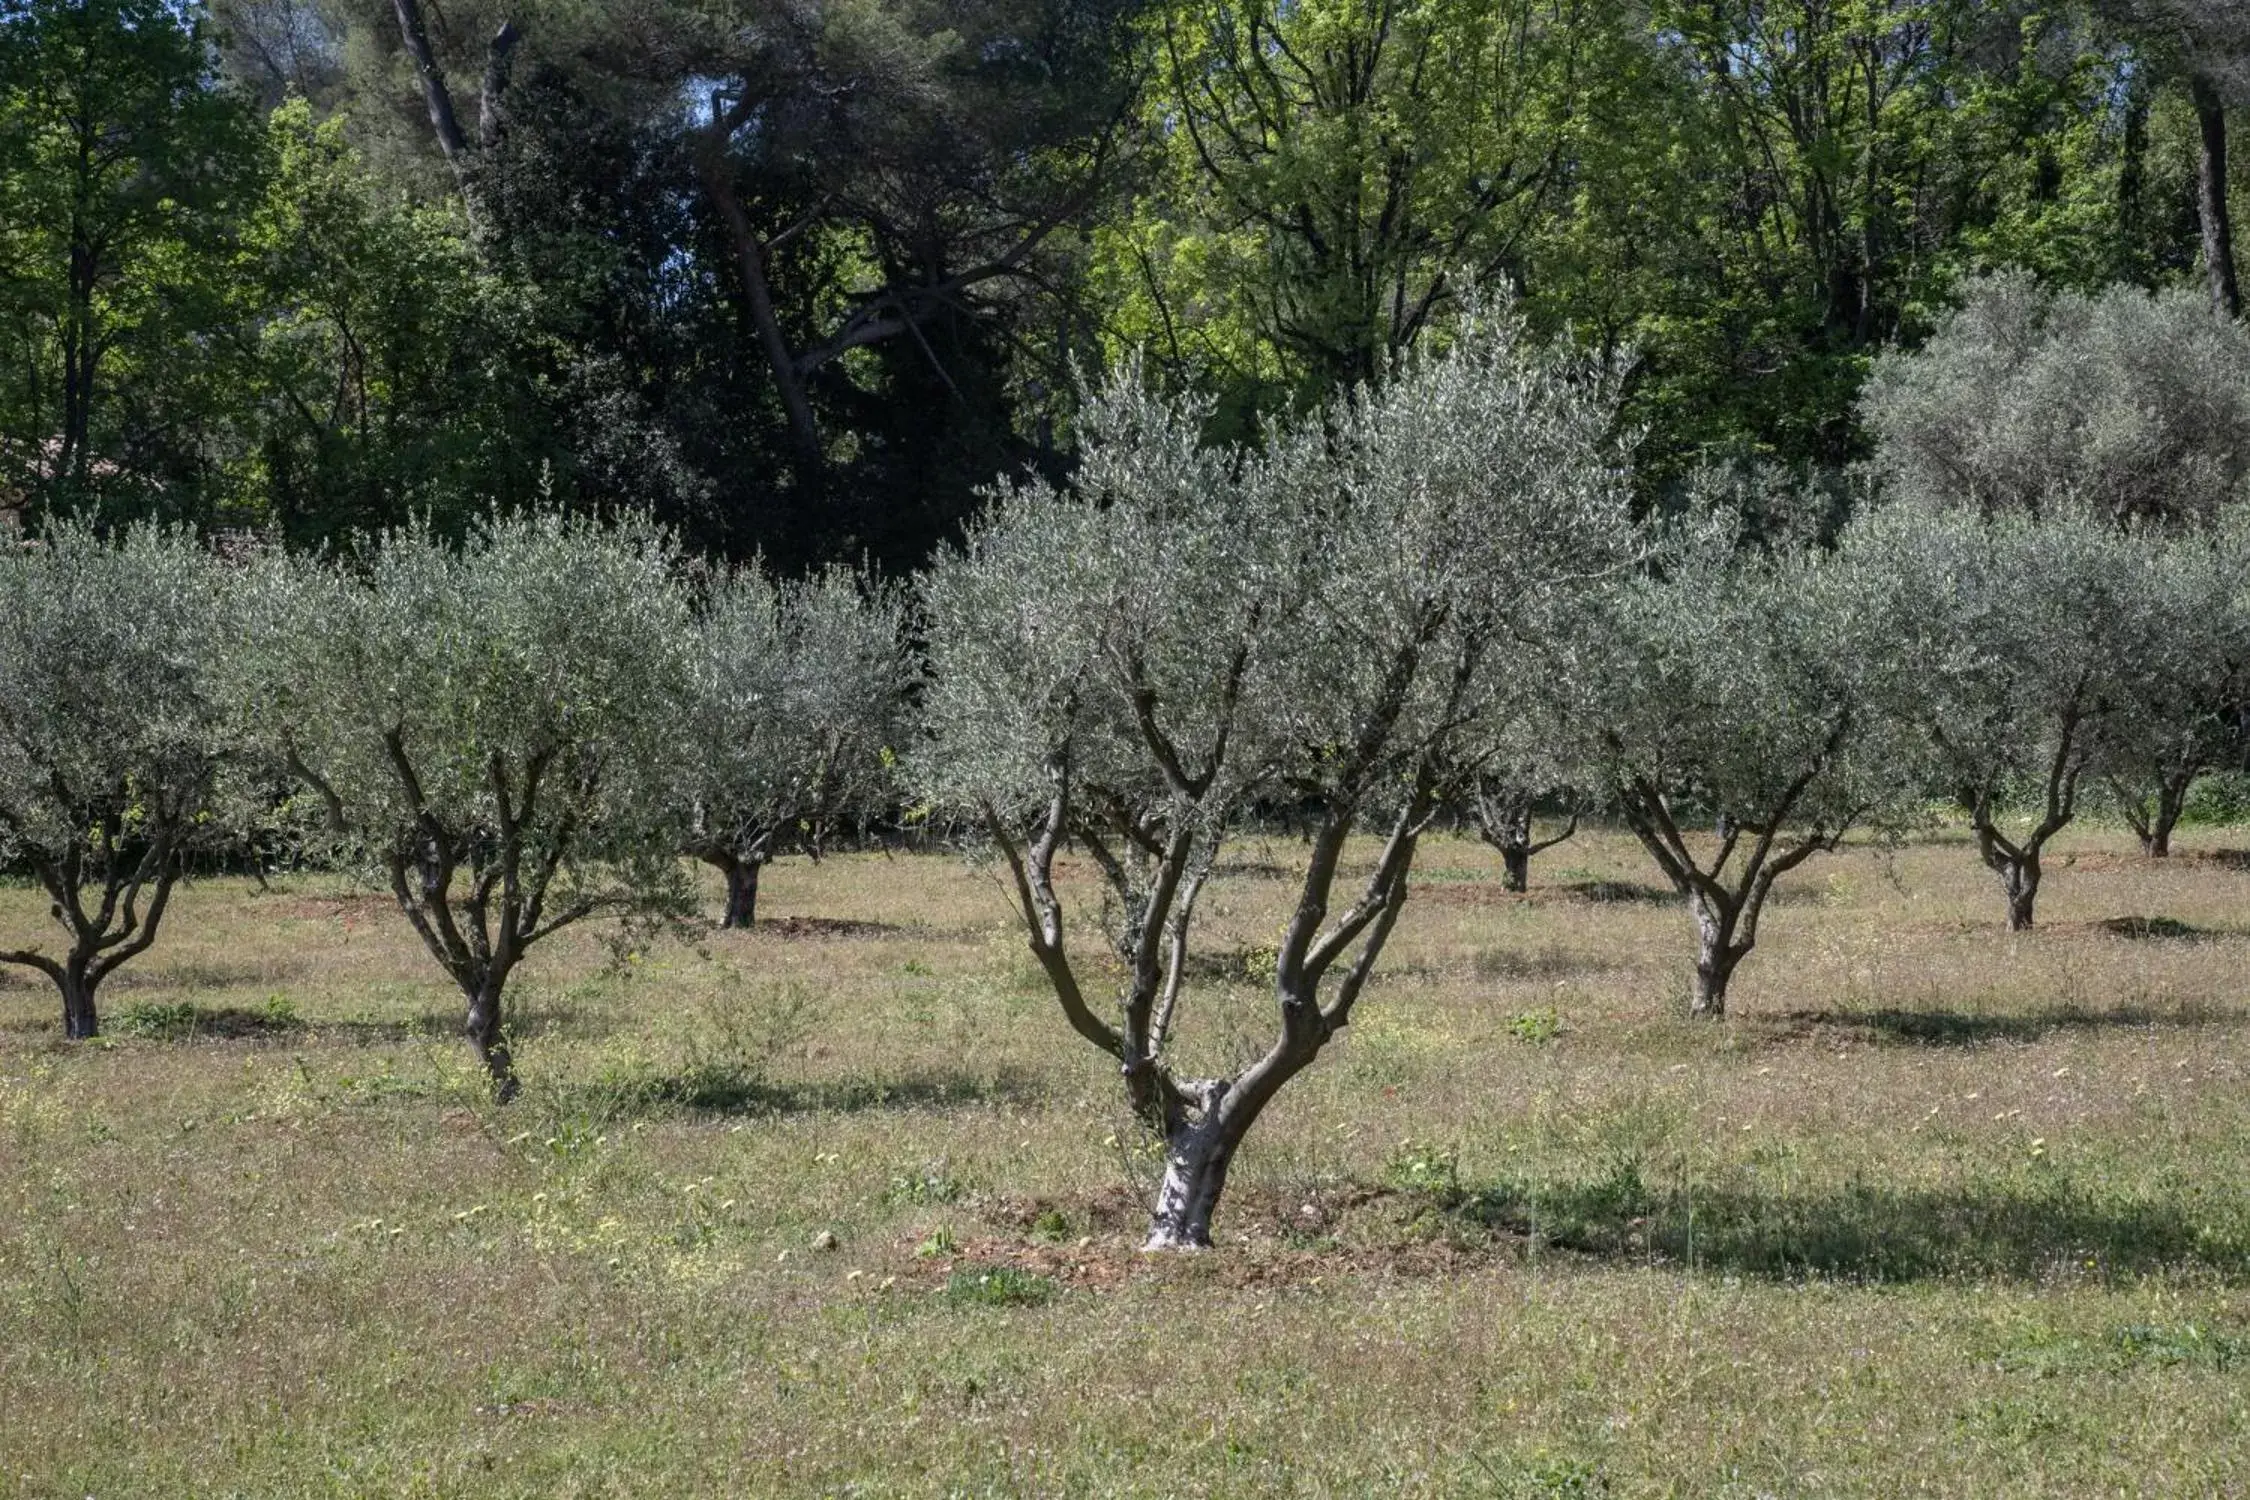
[[844, 1209]]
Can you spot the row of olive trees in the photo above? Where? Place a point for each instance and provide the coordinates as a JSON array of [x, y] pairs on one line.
[[1431, 592], [1429, 589], [510, 736]]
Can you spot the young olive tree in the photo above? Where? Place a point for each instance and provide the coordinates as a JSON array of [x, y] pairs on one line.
[[1520, 765], [2130, 403], [489, 729], [1749, 710], [1502, 805], [2042, 629], [2177, 710], [802, 697], [1128, 664], [112, 739]]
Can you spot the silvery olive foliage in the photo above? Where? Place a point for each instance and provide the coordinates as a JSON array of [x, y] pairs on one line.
[[489, 729], [1747, 710], [2037, 634], [2129, 403], [112, 740], [803, 695], [2178, 708], [1129, 664]]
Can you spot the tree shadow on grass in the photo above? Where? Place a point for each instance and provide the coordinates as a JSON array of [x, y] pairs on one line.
[[1940, 1028], [721, 1089], [1615, 892], [2161, 929], [1871, 1232]]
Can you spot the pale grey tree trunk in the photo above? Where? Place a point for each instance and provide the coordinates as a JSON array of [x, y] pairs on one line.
[[1195, 1174], [1716, 954]]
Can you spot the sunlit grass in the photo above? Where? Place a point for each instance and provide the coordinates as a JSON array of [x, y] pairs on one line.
[[839, 1206]]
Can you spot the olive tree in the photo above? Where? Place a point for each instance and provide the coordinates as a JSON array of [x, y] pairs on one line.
[[2130, 403], [1129, 663], [112, 740], [802, 697], [488, 729], [2043, 629], [1518, 791], [1749, 709], [2177, 709]]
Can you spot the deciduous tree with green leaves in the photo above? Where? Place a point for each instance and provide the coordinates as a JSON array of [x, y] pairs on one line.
[[121, 171]]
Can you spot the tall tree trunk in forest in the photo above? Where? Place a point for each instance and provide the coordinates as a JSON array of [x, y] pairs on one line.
[[2211, 199], [437, 97], [757, 291]]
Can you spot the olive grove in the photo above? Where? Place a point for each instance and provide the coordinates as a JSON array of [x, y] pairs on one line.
[[1131, 662]]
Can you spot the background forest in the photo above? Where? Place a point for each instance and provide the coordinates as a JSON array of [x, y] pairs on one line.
[[800, 278]]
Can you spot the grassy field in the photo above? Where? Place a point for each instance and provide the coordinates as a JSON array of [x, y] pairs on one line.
[[838, 1207]]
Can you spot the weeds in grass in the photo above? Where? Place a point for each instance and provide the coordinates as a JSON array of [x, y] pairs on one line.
[[998, 1286]]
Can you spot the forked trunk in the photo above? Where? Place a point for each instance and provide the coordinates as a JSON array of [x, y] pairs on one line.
[[742, 892], [2019, 878], [1515, 866], [1716, 954], [2171, 801], [488, 1035], [1196, 1159]]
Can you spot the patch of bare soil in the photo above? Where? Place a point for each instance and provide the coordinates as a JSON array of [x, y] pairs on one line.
[[1267, 1240]]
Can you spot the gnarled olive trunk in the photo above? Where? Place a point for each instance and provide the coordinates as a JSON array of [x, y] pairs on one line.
[[2153, 819], [1207, 1120], [1195, 1173], [2019, 878], [1716, 952], [107, 932], [485, 1027], [1503, 818], [80, 1019], [742, 892], [739, 863]]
